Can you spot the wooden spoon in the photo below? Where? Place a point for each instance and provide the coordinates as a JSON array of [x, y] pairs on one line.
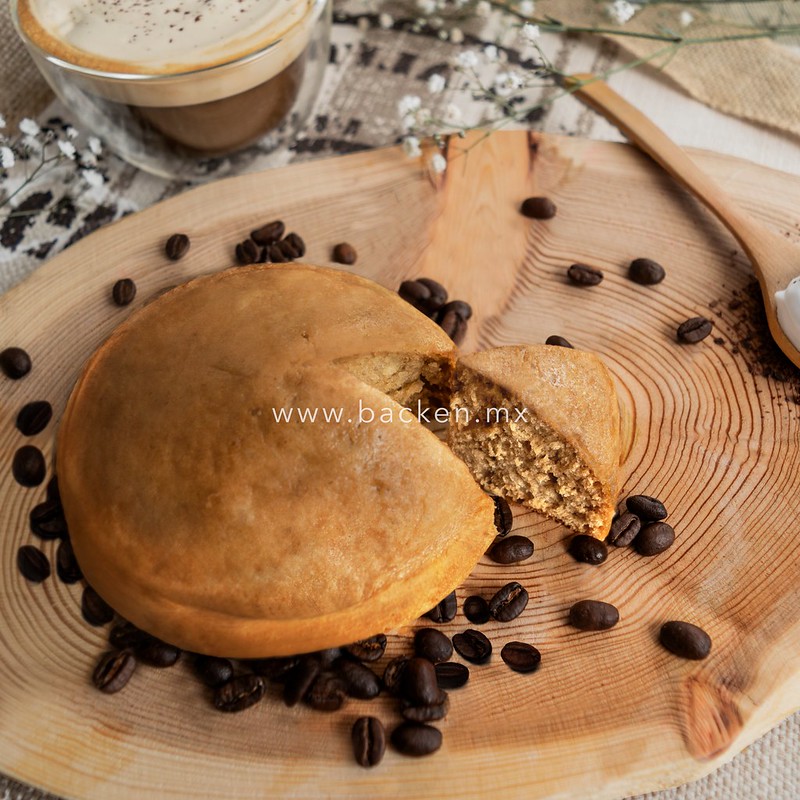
[[775, 260]]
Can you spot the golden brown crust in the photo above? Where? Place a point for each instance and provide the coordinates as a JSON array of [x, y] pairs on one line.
[[204, 520]]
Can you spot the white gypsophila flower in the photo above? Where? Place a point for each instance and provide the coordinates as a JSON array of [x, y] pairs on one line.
[[436, 23], [427, 6], [621, 11], [71, 132], [2, 121], [88, 159], [443, 35], [506, 83], [29, 127], [483, 9], [686, 18], [530, 33], [527, 8], [436, 83], [468, 59], [6, 157], [438, 163], [386, 21], [490, 53], [93, 177], [67, 149], [408, 104], [456, 36], [95, 145], [411, 147], [452, 114]]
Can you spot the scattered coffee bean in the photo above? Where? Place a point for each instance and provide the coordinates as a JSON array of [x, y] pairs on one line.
[[393, 674], [327, 693], [654, 538], [247, 252], [432, 644], [694, 330], [503, 516], [34, 417], [268, 234], [473, 646], [213, 671], [113, 671], [558, 341], [451, 675], [15, 362], [476, 610], [416, 739], [538, 208], [27, 466], [455, 326], [95, 610], [52, 490], [274, 669], [521, 656], [67, 567], [587, 549], [328, 657], [648, 509], [156, 653], [360, 680], [624, 529], [685, 640], [123, 292], [47, 520], [344, 253], [593, 615], [420, 686], [290, 252], [445, 610], [415, 293], [438, 296], [425, 713], [296, 243], [33, 563], [370, 649], [275, 255], [463, 309], [299, 680], [177, 246], [646, 271], [126, 636], [369, 741], [511, 550], [583, 275], [239, 693], [509, 602]]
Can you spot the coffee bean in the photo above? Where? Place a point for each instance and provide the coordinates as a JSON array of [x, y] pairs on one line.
[[27, 466], [33, 563], [694, 330], [327, 693], [268, 234], [15, 362], [328, 657], [416, 739], [464, 310], [646, 271], [558, 341], [370, 649], [247, 252], [511, 550], [624, 529], [476, 610], [177, 246], [67, 567], [299, 680], [290, 253], [509, 602], [369, 741], [425, 713], [95, 610], [34, 417], [654, 538], [273, 669], [415, 293], [239, 693], [393, 674], [473, 646], [156, 653], [47, 520], [521, 656], [538, 208], [123, 292], [360, 680], [113, 671], [126, 636], [344, 253], [213, 671], [52, 490], [593, 615], [648, 509], [587, 549], [583, 275], [451, 675], [275, 255], [432, 644], [455, 326], [503, 516], [438, 296], [445, 610], [420, 686], [296, 243], [685, 640]]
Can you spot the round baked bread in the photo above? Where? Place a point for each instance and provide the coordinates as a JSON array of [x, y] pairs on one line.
[[208, 520]]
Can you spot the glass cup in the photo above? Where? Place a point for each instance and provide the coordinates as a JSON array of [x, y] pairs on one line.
[[195, 124]]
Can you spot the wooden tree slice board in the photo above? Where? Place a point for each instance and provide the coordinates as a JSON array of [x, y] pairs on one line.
[[711, 428]]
